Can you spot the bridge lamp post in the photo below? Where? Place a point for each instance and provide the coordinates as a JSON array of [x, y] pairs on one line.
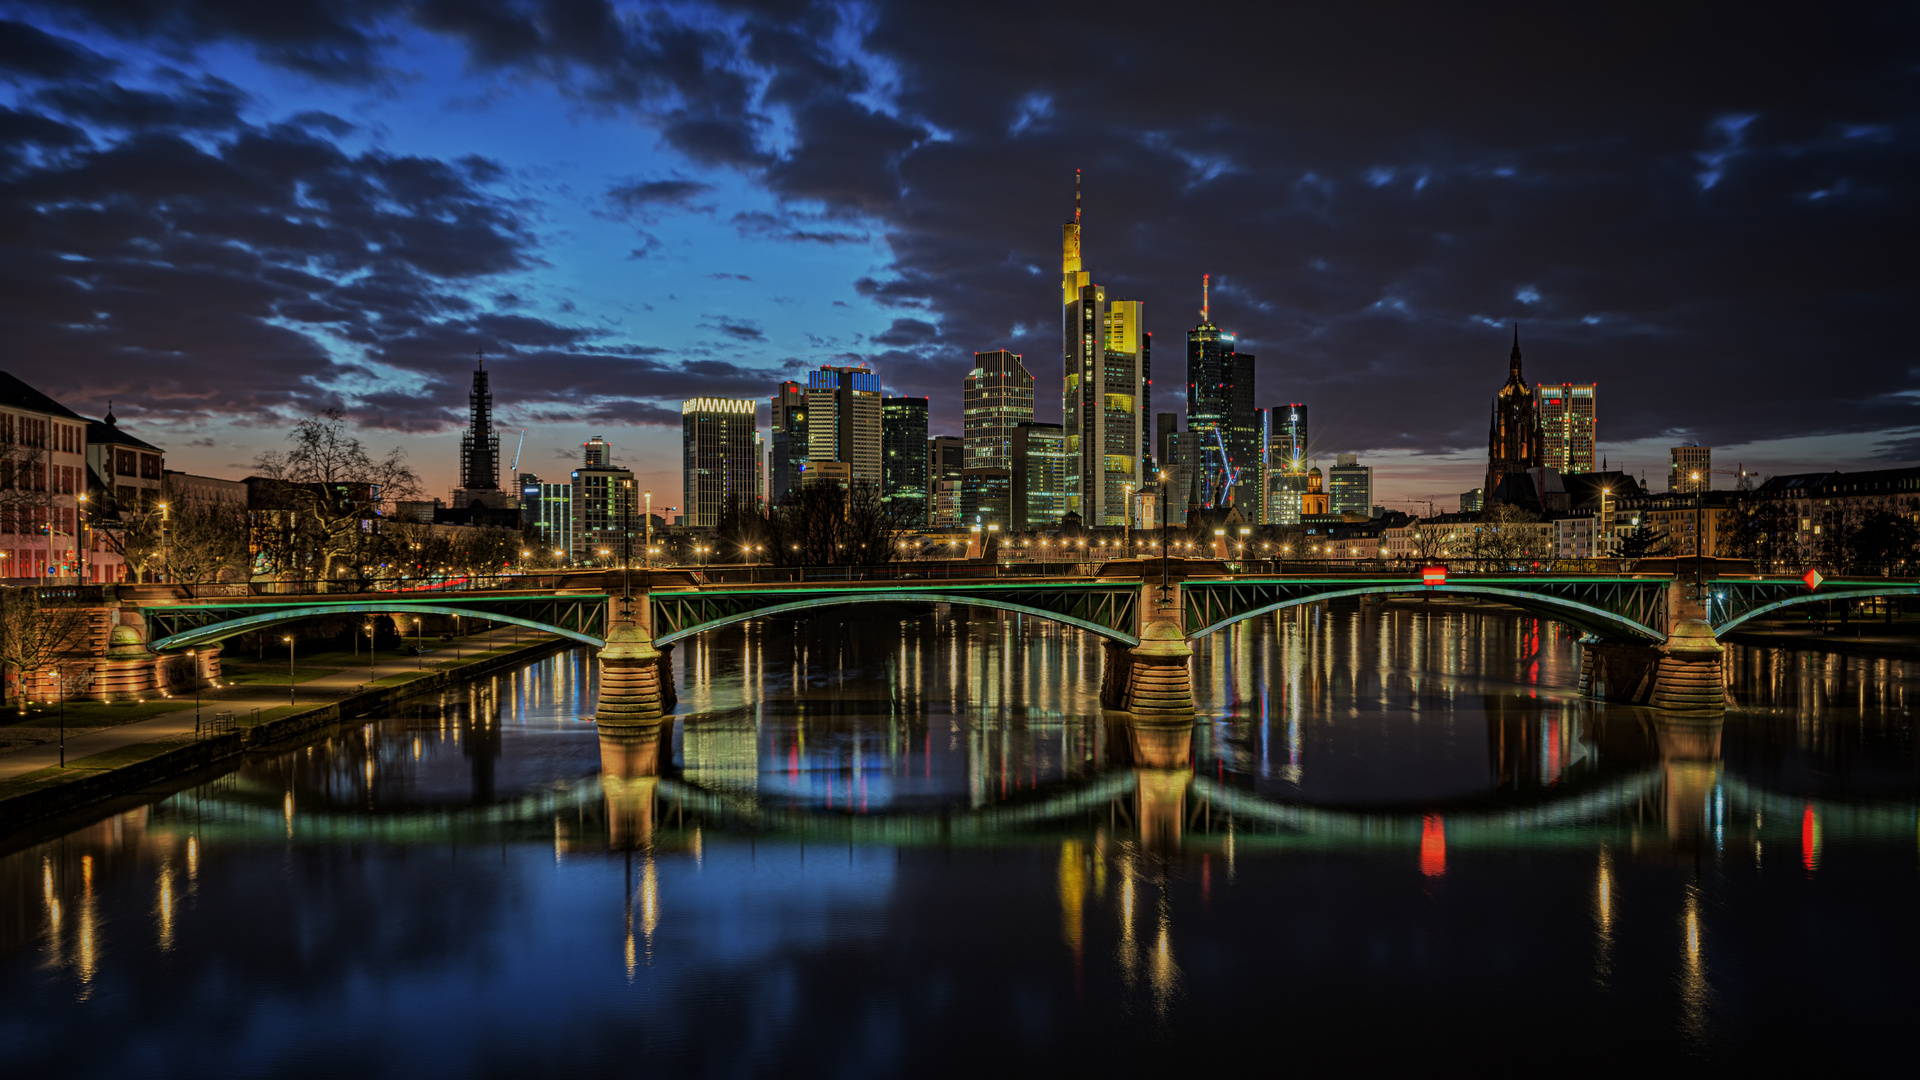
[[82, 561], [370, 640], [195, 665], [166, 538], [647, 523], [288, 638], [419, 653]]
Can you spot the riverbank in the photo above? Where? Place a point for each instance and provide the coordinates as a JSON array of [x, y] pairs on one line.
[[103, 765]]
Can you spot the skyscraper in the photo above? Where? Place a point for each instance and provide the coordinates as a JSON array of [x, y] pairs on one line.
[[1350, 486], [1104, 356], [1569, 426], [480, 447], [1514, 443], [1221, 413], [602, 506], [1039, 475], [903, 453], [843, 420], [790, 448], [946, 462], [998, 396], [718, 459]]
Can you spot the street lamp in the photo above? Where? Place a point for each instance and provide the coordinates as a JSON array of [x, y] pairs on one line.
[[166, 540], [195, 665], [370, 640], [419, 653], [289, 640], [649, 527], [82, 560]]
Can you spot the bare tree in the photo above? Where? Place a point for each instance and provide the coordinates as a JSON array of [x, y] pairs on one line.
[[1504, 538], [332, 486], [206, 541], [825, 525], [36, 634]]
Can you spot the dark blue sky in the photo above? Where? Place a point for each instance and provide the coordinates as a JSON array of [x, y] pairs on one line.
[[222, 215]]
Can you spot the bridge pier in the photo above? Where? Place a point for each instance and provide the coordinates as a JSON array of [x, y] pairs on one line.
[[631, 692], [1153, 678], [1682, 674]]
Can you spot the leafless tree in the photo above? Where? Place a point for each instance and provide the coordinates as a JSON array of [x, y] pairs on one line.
[[1503, 539], [825, 525], [36, 633], [331, 486]]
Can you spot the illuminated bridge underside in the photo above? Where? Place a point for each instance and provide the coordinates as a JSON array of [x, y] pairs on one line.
[[180, 626], [579, 807], [1103, 609], [1631, 609]]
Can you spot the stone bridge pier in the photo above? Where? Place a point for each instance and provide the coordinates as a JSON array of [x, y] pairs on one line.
[[636, 679], [1153, 678], [1684, 673]]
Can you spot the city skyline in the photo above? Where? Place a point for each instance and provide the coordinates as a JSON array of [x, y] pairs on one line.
[[546, 202]]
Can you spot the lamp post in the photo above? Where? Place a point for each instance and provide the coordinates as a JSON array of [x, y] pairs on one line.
[[1699, 538], [289, 640], [166, 540], [195, 665], [649, 527], [83, 539], [419, 652], [370, 641]]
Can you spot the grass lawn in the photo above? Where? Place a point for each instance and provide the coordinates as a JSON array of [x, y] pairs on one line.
[[254, 675], [93, 714]]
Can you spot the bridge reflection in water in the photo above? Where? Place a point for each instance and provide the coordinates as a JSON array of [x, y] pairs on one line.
[[1422, 742]]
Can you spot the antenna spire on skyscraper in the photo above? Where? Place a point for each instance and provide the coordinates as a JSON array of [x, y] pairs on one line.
[[1205, 305], [1076, 196]]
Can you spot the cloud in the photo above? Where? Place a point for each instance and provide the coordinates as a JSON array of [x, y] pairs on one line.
[[738, 329], [644, 200], [29, 51]]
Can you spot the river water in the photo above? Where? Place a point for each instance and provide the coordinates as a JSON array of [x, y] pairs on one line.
[[884, 842]]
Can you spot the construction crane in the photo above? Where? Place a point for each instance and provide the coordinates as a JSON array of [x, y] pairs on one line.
[[515, 467], [1428, 503]]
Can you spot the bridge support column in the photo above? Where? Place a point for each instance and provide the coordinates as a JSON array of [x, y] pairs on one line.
[[1153, 677], [1684, 674], [631, 695]]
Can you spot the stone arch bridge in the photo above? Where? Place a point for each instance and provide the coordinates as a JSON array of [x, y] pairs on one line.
[[1650, 638]]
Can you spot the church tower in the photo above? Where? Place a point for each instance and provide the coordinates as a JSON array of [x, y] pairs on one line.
[[1514, 439]]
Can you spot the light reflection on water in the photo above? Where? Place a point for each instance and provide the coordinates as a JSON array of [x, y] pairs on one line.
[[913, 841]]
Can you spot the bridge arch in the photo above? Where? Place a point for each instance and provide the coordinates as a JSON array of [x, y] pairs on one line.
[[1846, 593], [226, 628], [930, 597], [1594, 620]]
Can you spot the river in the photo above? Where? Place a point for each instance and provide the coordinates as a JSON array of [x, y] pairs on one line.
[[884, 842]]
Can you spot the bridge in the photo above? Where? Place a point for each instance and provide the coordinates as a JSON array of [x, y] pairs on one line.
[[1649, 638]]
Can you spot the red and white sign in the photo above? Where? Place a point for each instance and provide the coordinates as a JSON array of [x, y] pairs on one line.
[[1813, 579], [1433, 575]]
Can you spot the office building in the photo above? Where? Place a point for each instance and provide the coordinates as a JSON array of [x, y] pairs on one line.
[[1690, 468], [1039, 496], [553, 521], [1514, 441], [903, 454], [1350, 486], [1221, 413], [1474, 501], [1165, 425], [998, 396], [1569, 426], [986, 498], [602, 502], [719, 459], [843, 420], [1104, 368], [790, 447], [946, 460]]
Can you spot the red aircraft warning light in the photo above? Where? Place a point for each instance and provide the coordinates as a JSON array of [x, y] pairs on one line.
[[1433, 575]]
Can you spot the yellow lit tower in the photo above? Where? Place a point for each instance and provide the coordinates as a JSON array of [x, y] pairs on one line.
[[1103, 357]]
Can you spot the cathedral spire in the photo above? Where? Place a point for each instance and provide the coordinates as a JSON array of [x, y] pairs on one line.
[[1513, 361]]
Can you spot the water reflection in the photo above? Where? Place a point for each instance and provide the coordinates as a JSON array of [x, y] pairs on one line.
[[867, 840]]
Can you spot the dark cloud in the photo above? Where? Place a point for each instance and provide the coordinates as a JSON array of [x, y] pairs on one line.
[[723, 276], [645, 200], [907, 332], [336, 40], [738, 329], [28, 50], [210, 105]]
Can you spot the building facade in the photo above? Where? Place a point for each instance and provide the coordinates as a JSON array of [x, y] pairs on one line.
[[1222, 416], [843, 421], [719, 458], [998, 396], [1569, 426], [1350, 486], [1689, 469], [903, 451], [602, 501], [43, 445]]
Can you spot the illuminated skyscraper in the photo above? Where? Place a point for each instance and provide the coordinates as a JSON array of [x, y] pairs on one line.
[[903, 452], [1104, 357], [1684, 463], [1221, 415], [1569, 426], [719, 461], [790, 447], [843, 420], [998, 397], [1286, 473], [1350, 486]]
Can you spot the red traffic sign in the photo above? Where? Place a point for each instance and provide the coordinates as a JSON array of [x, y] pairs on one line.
[[1813, 579], [1433, 575]]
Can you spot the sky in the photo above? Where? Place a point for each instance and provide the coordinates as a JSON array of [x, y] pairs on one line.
[[221, 216]]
